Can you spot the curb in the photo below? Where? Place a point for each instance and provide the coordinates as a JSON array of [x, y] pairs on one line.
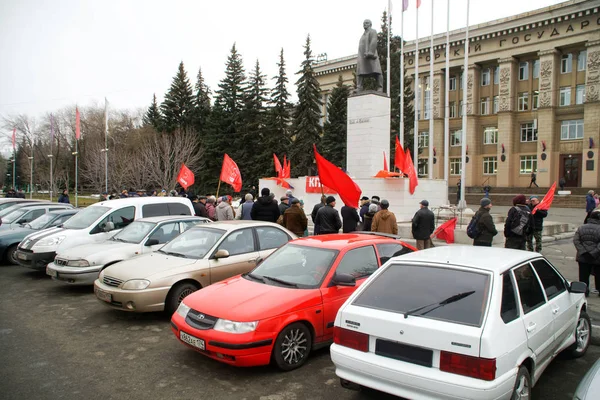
[[595, 335]]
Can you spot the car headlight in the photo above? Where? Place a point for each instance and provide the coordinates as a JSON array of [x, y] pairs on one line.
[[78, 263], [224, 325], [136, 284], [53, 241], [182, 310]]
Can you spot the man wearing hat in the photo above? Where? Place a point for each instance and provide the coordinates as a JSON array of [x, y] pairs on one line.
[[537, 222], [364, 207], [328, 218], [384, 221], [284, 205], [264, 208], [224, 210], [423, 225], [517, 224], [485, 224], [294, 218], [200, 206]]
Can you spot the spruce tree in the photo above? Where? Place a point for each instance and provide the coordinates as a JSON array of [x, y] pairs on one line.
[[178, 106], [153, 117], [202, 104], [306, 129], [335, 129]]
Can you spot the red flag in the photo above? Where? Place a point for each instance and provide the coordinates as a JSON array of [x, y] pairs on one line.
[[338, 180], [546, 201], [185, 177], [399, 158], [278, 169], [418, 3], [446, 231], [230, 173], [385, 167], [14, 138], [287, 169], [77, 124], [411, 172]]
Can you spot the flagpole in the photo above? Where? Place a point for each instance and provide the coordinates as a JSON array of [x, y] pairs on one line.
[[76, 175], [417, 89], [389, 56], [401, 130], [31, 172], [431, 56], [447, 105], [106, 144], [50, 155], [218, 187], [463, 204]]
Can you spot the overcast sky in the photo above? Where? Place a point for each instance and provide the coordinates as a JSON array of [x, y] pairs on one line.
[[57, 53]]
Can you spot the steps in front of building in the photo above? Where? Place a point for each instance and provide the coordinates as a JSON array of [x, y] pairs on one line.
[[568, 201], [541, 191]]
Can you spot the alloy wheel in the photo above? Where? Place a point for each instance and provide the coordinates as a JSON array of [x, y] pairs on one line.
[[582, 334], [294, 346], [183, 294]]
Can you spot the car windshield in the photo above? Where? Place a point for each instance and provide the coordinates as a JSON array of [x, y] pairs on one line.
[[193, 243], [85, 217], [425, 291], [134, 232], [40, 222], [13, 216], [4, 206], [295, 265]]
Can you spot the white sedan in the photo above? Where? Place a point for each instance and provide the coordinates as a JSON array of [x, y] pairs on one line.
[[459, 322]]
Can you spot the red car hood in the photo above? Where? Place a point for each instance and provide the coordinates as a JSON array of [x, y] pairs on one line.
[[239, 299]]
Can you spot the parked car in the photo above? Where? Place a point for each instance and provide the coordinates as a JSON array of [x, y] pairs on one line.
[[28, 213], [193, 260], [286, 306], [95, 224], [9, 206], [459, 322], [10, 238], [9, 202], [589, 387], [80, 265]]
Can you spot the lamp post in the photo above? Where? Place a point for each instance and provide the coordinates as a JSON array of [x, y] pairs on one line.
[[105, 151], [30, 177], [76, 154], [51, 180]]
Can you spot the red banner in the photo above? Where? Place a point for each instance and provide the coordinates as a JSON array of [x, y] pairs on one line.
[[313, 185], [185, 177], [230, 173], [338, 180], [446, 231], [546, 201]]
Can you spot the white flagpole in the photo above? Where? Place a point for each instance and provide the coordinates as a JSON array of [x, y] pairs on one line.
[[463, 181], [389, 56], [106, 144], [76, 173], [447, 105], [431, 56], [401, 130], [417, 89], [50, 155]]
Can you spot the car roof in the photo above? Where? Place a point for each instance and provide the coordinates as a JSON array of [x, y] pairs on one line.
[[493, 259], [163, 218], [141, 200], [66, 211], [45, 205], [338, 241], [236, 224]]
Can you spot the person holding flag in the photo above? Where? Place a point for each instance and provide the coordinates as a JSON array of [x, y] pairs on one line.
[[537, 224]]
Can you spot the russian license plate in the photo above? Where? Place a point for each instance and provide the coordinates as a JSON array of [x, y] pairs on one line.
[[22, 256], [51, 272], [194, 341], [102, 295]]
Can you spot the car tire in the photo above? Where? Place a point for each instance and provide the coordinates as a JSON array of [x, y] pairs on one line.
[[522, 389], [292, 347], [178, 293], [583, 335], [11, 255]]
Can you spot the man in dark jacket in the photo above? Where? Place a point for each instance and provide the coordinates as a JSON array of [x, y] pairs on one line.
[[64, 197], [313, 214], [328, 218], [364, 207], [423, 225], [264, 208], [537, 225], [350, 218], [485, 224], [587, 243], [590, 204], [284, 205], [517, 224], [199, 206], [294, 218]]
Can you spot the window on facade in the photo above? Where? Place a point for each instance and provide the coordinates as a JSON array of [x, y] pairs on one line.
[[536, 69], [460, 108], [496, 101], [452, 111], [496, 75], [452, 83], [566, 62], [485, 105], [528, 164], [485, 77], [455, 137], [490, 135], [462, 76], [528, 134], [580, 94], [581, 60], [535, 100], [523, 71], [572, 129], [423, 169], [565, 96], [426, 99], [523, 101], [423, 139], [490, 165], [455, 164]]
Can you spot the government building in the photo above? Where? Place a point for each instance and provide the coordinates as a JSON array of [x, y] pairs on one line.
[[533, 97]]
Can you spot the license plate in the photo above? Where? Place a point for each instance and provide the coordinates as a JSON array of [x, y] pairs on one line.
[[102, 295], [51, 272], [194, 341], [22, 256]]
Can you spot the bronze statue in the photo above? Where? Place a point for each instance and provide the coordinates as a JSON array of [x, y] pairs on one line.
[[368, 63]]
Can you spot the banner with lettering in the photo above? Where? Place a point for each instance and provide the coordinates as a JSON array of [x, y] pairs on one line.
[[313, 185]]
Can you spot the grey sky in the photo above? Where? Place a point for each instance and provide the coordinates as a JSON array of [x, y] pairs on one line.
[[57, 53]]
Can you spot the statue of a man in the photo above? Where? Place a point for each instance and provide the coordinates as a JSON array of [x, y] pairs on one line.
[[368, 63]]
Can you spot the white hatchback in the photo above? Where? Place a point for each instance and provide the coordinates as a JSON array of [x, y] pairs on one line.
[[459, 322]]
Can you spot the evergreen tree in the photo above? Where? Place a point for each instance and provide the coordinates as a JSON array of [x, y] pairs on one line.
[[306, 129], [178, 106], [335, 129], [153, 117], [202, 104]]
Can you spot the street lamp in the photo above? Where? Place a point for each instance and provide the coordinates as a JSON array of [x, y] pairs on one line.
[[105, 151]]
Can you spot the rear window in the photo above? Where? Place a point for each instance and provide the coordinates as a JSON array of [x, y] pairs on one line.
[[421, 289], [178, 209]]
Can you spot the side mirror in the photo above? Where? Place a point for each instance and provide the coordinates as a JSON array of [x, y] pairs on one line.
[[109, 226], [22, 221], [221, 254], [343, 280], [578, 287], [151, 242]]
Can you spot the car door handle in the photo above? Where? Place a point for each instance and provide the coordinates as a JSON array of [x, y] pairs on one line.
[[531, 327], [555, 310]]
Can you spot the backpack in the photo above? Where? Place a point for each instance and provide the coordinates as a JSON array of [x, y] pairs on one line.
[[472, 229], [523, 226]]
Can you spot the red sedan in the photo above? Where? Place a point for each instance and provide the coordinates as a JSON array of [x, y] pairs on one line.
[[286, 306]]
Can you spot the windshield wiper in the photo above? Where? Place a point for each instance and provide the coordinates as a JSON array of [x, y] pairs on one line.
[[255, 277], [451, 299], [119, 240], [286, 283], [172, 253]]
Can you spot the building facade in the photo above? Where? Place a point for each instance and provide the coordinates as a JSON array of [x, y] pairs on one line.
[[533, 97]]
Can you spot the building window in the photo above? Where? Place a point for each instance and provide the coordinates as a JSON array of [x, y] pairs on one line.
[[496, 75], [490, 165], [572, 129], [423, 139], [523, 71], [455, 137], [423, 169], [462, 80], [452, 83], [528, 134], [535, 100], [528, 164], [581, 60], [580, 94], [565, 96], [455, 164], [523, 101], [536, 69], [496, 104], [485, 106], [426, 101], [460, 108], [490, 135], [485, 77], [566, 62], [452, 106]]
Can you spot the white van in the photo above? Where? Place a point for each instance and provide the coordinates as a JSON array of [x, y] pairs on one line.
[[95, 224]]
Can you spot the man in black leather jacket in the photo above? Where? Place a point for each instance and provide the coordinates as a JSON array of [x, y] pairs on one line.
[[328, 218]]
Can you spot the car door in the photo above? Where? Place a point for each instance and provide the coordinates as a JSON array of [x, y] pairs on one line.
[[360, 262], [243, 255], [269, 239], [120, 218], [163, 233], [537, 315]]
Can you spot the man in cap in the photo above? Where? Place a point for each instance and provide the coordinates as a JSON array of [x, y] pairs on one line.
[[485, 224], [375, 200], [200, 206], [364, 207], [224, 210], [294, 218], [264, 208], [290, 196], [384, 221], [518, 224], [284, 205], [423, 225], [537, 222], [315, 210], [328, 218]]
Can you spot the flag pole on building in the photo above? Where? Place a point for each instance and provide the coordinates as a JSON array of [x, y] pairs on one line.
[[106, 144], [14, 143], [417, 90], [50, 155], [447, 104], [389, 56], [401, 130], [76, 154], [463, 161], [431, 57]]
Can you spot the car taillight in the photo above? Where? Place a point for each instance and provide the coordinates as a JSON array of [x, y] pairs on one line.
[[347, 338], [474, 367]]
